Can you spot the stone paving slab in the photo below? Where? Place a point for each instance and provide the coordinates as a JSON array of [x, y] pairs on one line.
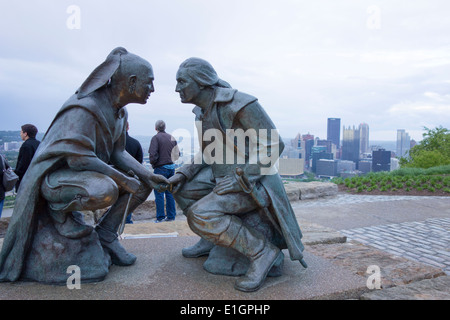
[[336, 271], [424, 241], [353, 211], [324, 218], [357, 258], [161, 272]]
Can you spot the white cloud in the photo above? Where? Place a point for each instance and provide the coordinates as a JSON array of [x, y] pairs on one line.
[[304, 61]]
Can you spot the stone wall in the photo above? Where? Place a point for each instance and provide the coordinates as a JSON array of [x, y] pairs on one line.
[[310, 190]]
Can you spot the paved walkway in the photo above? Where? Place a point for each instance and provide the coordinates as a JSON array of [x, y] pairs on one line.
[[415, 228], [424, 241], [344, 198], [421, 231]]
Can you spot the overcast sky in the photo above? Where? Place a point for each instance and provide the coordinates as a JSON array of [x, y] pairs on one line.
[[385, 63]]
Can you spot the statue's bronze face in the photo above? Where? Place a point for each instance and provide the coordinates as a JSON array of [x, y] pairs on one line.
[[187, 87], [133, 84], [144, 86]]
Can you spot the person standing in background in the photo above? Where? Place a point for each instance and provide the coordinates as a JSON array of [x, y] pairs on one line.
[[163, 151], [134, 148], [26, 151]]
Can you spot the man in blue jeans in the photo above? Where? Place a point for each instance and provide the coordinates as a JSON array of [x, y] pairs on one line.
[[163, 151]]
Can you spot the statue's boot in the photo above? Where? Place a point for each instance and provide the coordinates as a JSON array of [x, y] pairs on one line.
[[108, 225], [71, 224], [119, 256], [201, 248], [110, 242], [260, 265], [262, 254]]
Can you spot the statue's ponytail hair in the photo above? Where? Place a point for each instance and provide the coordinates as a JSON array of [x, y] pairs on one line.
[[203, 73], [101, 75]]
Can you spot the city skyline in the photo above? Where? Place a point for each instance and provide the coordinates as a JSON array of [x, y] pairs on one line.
[[383, 64]]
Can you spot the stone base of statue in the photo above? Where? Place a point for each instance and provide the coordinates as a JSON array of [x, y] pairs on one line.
[[51, 255]]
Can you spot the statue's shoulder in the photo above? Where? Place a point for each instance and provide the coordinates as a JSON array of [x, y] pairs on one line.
[[86, 105], [232, 99], [81, 108], [73, 102]]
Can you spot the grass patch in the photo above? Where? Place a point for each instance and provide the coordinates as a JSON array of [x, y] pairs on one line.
[[406, 180]]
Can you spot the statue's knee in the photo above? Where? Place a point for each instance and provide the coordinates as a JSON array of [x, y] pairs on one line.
[[200, 219], [103, 196], [66, 191], [194, 219]]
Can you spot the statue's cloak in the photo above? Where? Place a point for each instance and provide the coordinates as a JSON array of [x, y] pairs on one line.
[[83, 127], [231, 103]]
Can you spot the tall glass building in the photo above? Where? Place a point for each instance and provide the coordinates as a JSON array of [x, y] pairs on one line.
[[351, 144], [364, 138], [403, 143], [334, 131]]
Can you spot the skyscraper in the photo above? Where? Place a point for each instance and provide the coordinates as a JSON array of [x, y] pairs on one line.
[[350, 144], [403, 143], [309, 143], [381, 160], [364, 138], [334, 131]]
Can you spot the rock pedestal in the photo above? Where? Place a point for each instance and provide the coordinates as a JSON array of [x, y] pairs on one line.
[[51, 254]]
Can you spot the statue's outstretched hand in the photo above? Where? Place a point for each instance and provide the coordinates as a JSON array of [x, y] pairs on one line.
[[159, 182], [176, 182]]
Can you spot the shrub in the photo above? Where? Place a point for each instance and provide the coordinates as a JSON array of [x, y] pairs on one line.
[[428, 159], [433, 150]]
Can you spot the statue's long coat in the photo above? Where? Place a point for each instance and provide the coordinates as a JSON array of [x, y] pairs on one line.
[[230, 106]]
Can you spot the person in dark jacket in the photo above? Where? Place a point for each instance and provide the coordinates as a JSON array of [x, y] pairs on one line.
[[163, 151], [2, 189], [134, 148], [27, 151]]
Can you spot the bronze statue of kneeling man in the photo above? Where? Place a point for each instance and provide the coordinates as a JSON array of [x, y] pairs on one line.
[[81, 164], [232, 194]]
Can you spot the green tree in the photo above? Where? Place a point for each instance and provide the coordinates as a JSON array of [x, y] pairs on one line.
[[433, 150]]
